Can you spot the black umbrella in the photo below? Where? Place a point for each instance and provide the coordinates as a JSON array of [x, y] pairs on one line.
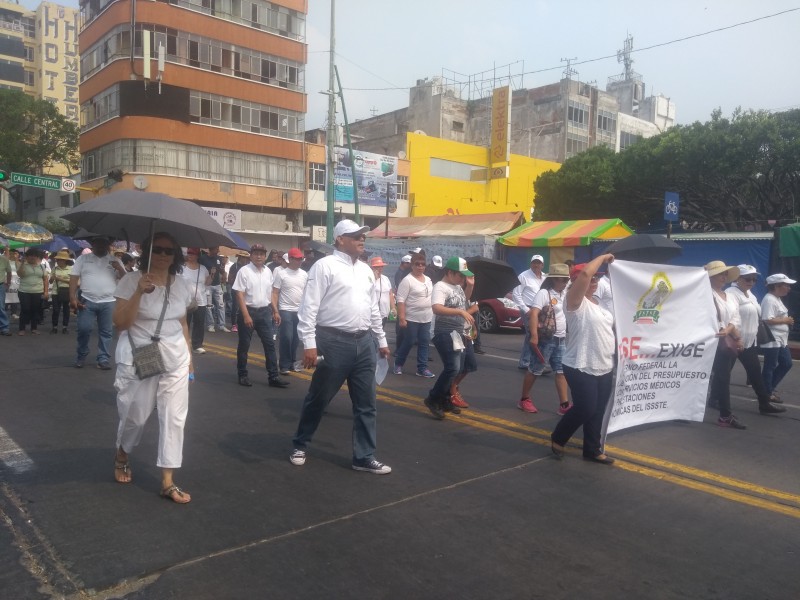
[[134, 215], [320, 248], [493, 278], [645, 248]]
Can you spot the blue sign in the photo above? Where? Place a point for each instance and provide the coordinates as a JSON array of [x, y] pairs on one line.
[[672, 204]]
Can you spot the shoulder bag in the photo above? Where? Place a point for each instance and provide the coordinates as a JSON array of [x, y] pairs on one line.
[[147, 360], [764, 334], [729, 345], [547, 320]]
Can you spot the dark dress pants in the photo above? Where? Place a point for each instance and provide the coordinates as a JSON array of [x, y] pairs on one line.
[[263, 327], [590, 394]]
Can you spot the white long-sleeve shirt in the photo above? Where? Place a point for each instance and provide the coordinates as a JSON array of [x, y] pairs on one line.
[[339, 294], [525, 292]]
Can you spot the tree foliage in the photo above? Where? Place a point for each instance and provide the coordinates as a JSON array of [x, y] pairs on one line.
[[731, 174], [34, 135]]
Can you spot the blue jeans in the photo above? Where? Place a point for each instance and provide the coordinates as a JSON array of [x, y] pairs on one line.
[[345, 359], [415, 332], [777, 362], [215, 308], [103, 313], [590, 394], [3, 315], [262, 325], [289, 340], [452, 362]]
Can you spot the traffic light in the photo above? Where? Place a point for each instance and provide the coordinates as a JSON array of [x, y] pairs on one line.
[[4, 177], [115, 174]]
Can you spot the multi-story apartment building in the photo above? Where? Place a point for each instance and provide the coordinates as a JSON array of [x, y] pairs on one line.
[[39, 56], [550, 122], [200, 99]]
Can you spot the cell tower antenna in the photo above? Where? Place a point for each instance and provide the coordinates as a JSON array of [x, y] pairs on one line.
[[373, 111], [624, 57]]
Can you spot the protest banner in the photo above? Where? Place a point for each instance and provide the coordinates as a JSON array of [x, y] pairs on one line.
[[666, 334]]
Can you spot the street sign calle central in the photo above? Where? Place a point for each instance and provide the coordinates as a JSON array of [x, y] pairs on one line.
[[43, 181]]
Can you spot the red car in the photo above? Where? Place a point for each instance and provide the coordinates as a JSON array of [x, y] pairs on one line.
[[495, 313]]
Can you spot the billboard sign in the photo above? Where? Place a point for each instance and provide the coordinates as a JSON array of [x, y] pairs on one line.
[[376, 175]]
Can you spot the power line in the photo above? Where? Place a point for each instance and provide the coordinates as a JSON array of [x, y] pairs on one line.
[[614, 56]]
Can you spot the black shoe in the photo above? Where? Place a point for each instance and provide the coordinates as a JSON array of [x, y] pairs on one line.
[[449, 407], [64, 330], [435, 409], [54, 330], [278, 383], [245, 381], [79, 363], [600, 458], [770, 409], [477, 350]]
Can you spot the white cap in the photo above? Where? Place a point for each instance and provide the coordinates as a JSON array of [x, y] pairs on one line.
[[286, 257], [747, 270], [346, 226], [406, 258], [779, 278], [437, 261], [538, 257], [416, 251]]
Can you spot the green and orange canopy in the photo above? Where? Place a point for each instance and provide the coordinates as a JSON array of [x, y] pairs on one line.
[[538, 234]]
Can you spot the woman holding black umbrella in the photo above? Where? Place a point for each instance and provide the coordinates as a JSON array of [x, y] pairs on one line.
[[151, 305]]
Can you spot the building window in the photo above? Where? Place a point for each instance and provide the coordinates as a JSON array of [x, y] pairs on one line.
[[606, 121], [30, 54], [232, 113], [101, 108], [626, 139], [316, 176], [196, 51], [576, 144], [198, 162], [458, 126], [402, 187], [578, 114], [30, 78]]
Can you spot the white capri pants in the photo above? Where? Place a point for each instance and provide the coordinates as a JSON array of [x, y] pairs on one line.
[[136, 399]]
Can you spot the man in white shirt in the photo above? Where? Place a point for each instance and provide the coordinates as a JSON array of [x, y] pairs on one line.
[[530, 282], [253, 290], [96, 273], [340, 323], [287, 291]]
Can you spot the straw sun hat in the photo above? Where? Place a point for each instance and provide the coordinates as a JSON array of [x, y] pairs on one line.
[[715, 267]]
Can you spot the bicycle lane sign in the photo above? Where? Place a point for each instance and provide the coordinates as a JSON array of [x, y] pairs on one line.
[[672, 203]]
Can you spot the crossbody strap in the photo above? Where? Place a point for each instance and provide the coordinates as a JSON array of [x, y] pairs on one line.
[[155, 336]]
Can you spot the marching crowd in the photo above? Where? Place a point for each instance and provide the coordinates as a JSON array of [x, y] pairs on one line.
[[164, 298]]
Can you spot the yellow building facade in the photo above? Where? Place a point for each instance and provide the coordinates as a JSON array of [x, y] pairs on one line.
[[451, 178]]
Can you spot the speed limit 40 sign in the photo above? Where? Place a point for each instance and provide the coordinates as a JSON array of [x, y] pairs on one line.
[[67, 185]]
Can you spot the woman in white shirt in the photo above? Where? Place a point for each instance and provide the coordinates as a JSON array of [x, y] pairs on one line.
[[588, 363], [749, 315], [729, 323], [414, 314], [198, 277], [551, 349], [777, 357], [142, 296]]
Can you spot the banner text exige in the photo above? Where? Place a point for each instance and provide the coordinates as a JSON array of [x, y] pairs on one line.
[[666, 334]]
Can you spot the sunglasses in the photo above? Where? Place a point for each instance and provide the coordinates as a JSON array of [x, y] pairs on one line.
[[163, 250], [750, 279], [360, 237], [419, 264]]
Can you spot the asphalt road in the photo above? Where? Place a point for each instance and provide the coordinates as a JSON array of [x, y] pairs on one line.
[[475, 506]]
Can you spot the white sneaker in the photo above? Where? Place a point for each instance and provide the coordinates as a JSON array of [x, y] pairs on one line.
[[298, 457], [211, 330], [224, 329], [298, 366], [200, 350]]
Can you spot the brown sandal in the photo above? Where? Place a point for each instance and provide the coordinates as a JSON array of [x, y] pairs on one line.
[[125, 468], [176, 494]]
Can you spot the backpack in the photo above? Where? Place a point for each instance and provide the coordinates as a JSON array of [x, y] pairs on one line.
[[547, 320]]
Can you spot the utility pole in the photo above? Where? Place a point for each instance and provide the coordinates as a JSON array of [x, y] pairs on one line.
[[331, 129]]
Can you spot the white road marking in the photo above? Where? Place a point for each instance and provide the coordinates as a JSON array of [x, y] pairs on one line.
[[12, 456]]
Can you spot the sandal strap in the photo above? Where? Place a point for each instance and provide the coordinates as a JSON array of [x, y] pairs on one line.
[[167, 492], [125, 466]]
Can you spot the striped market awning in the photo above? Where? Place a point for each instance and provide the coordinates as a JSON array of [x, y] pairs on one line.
[[539, 234]]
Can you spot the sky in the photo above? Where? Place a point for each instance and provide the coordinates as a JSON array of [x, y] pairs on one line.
[[384, 46], [392, 44]]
